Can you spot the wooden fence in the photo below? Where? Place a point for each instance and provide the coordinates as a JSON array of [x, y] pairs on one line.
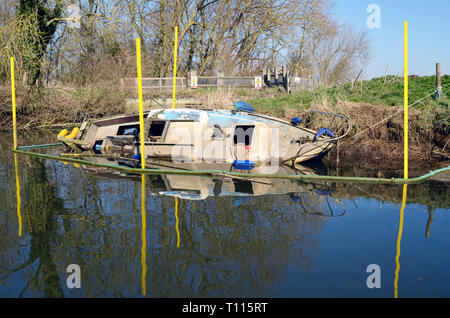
[[150, 84], [224, 81], [270, 77]]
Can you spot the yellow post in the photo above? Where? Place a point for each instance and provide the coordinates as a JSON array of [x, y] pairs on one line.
[[141, 103], [405, 101], [13, 91], [175, 67]]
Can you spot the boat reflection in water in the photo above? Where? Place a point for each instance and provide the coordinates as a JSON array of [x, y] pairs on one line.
[[187, 190], [200, 187]]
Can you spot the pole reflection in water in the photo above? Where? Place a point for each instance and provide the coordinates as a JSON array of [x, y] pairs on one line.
[[177, 222], [144, 239], [399, 238], [19, 202]]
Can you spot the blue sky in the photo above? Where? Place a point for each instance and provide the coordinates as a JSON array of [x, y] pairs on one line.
[[428, 28]]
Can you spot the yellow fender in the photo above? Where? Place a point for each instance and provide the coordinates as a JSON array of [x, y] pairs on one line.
[[63, 133], [73, 134], [68, 139]]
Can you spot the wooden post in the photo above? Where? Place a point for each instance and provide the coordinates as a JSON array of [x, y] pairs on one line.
[[192, 74], [438, 80], [276, 75], [263, 78], [430, 219], [337, 157], [283, 71], [220, 79]]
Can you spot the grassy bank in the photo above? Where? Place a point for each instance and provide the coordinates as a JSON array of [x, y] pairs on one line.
[[369, 102], [384, 91], [366, 103]]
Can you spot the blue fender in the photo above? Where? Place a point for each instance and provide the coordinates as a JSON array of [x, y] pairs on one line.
[[244, 107], [324, 131]]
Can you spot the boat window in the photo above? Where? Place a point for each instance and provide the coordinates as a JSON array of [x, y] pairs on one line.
[[97, 146], [243, 134], [157, 183], [241, 186], [156, 128], [128, 130]]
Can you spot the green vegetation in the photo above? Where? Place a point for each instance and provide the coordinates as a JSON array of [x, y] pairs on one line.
[[383, 91]]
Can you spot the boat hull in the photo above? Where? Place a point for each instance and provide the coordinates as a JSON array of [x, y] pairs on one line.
[[214, 136]]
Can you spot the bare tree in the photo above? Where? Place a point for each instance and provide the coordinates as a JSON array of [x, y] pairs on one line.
[[229, 36], [337, 51]]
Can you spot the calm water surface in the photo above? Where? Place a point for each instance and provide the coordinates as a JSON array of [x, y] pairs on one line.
[[216, 237]]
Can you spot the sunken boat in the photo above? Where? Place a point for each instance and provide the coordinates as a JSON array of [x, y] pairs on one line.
[[203, 135]]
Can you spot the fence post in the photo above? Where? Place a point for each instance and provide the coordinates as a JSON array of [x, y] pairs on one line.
[[220, 79], [438, 80], [277, 71], [192, 74], [264, 76], [122, 88], [288, 81]]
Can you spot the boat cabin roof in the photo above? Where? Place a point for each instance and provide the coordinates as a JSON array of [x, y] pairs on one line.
[[219, 117]]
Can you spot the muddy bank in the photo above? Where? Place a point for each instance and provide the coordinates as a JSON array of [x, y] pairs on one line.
[[372, 137]]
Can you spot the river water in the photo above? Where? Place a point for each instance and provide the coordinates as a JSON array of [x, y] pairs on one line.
[[217, 237]]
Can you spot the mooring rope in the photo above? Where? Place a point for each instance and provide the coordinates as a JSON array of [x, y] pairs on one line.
[[385, 119]]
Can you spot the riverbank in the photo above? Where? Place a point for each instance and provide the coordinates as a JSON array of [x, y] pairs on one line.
[[366, 103]]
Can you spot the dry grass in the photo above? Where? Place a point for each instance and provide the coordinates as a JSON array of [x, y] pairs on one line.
[[44, 107]]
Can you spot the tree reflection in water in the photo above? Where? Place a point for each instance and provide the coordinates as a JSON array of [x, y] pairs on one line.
[[206, 241], [74, 217]]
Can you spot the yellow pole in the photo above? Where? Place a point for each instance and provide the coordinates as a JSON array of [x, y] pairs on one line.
[[13, 91], [141, 103], [175, 66], [405, 101]]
